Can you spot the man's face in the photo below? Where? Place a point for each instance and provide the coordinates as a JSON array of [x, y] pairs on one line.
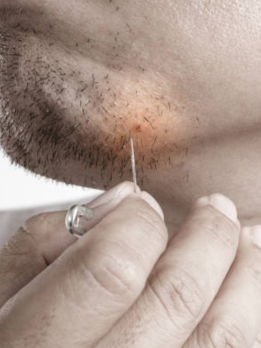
[[182, 77]]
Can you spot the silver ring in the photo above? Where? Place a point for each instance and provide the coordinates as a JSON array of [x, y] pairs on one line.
[[75, 220]]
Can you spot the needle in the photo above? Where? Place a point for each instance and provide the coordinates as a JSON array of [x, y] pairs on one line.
[[134, 174]]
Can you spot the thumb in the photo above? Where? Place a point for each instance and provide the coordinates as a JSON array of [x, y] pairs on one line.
[[43, 238], [93, 283]]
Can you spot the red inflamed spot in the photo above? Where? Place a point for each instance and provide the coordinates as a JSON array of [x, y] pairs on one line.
[[137, 128]]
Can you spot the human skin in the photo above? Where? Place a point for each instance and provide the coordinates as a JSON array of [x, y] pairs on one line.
[[183, 77], [125, 283]]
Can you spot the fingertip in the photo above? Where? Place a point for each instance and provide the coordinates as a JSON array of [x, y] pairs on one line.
[[118, 192], [202, 202], [152, 202], [221, 203], [128, 187]]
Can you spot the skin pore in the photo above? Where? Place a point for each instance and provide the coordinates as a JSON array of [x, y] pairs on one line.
[[183, 77]]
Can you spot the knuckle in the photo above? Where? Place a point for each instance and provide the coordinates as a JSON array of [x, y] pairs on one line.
[[218, 226], [15, 245], [151, 223], [255, 272], [180, 294], [118, 275], [24, 240], [222, 334]]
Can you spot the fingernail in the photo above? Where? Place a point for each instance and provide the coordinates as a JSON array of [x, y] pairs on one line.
[[256, 235], [116, 193], [222, 204], [152, 202]]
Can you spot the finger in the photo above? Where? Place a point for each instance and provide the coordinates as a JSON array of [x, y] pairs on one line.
[[257, 343], [184, 281], [234, 318], [89, 287], [43, 238]]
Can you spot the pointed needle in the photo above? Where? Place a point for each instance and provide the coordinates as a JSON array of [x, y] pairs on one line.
[[134, 174]]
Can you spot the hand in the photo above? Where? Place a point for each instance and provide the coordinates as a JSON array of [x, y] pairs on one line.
[[124, 285]]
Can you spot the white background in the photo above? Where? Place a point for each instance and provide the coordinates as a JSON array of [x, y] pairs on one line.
[[21, 189]]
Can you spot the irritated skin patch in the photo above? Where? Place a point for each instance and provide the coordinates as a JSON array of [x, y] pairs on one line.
[[62, 109]]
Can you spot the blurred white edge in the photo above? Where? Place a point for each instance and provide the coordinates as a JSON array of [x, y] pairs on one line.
[[21, 189]]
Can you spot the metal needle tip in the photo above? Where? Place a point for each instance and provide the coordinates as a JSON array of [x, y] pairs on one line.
[[133, 165]]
